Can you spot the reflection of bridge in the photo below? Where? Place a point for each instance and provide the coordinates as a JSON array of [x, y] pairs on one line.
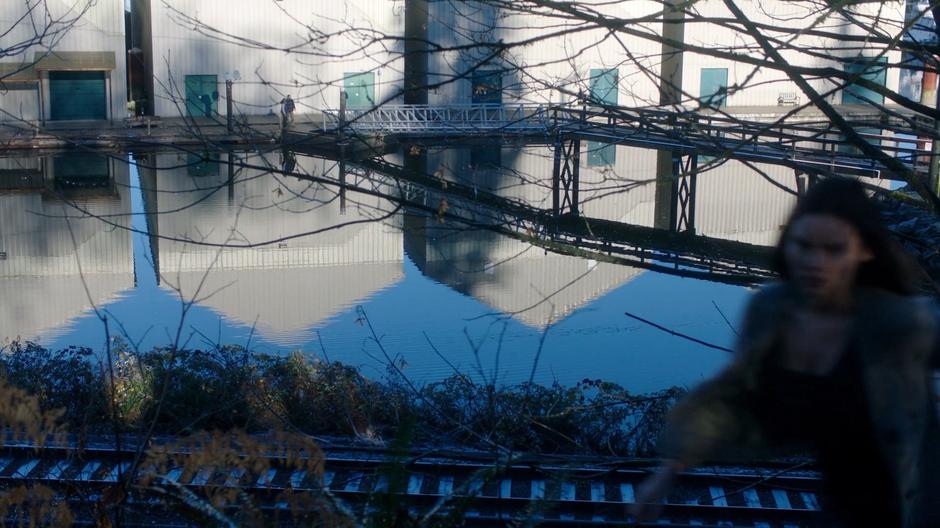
[[812, 147], [603, 240]]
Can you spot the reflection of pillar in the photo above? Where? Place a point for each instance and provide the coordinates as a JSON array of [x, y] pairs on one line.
[[230, 183], [667, 189], [416, 55], [670, 93], [415, 231], [146, 169]]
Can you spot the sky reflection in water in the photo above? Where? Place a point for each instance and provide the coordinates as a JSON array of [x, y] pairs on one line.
[[419, 289]]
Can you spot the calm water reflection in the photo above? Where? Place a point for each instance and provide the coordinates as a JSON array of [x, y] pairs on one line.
[[280, 263]]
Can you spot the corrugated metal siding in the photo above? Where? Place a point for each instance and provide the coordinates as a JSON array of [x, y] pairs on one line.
[[541, 71], [101, 28], [264, 207], [38, 243], [546, 63], [516, 277], [288, 287], [765, 85], [285, 304], [20, 104], [312, 73], [44, 307]]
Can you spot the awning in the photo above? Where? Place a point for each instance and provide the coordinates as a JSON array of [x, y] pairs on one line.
[[17, 72], [75, 61]]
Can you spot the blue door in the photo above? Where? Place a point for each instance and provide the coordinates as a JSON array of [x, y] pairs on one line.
[[713, 86], [202, 95]]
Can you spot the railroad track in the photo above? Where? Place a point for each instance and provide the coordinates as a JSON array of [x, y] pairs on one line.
[[550, 491]]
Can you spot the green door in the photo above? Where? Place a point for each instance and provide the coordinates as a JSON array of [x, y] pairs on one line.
[[202, 95], [713, 86], [77, 95], [604, 86], [870, 70], [360, 89], [487, 87]]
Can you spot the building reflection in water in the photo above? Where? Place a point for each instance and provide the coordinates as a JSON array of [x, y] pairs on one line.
[[44, 256], [257, 249], [287, 284]]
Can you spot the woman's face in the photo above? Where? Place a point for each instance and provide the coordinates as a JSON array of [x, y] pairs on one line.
[[823, 254]]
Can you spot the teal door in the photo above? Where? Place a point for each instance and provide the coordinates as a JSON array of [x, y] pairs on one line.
[[360, 89], [871, 70], [487, 87], [202, 95], [600, 154], [77, 95], [713, 86], [604, 86]]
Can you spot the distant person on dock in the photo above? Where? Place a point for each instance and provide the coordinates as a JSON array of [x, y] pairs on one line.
[[287, 111], [835, 360]]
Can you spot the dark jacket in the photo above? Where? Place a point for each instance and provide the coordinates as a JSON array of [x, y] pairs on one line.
[[898, 340]]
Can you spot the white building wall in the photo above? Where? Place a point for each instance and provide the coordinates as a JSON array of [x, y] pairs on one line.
[[278, 48], [289, 283], [39, 241], [99, 27], [19, 104], [54, 270], [542, 71], [764, 85], [539, 69]]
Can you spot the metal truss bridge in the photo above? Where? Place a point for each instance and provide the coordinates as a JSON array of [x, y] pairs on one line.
[[668, 251], [810, 147]]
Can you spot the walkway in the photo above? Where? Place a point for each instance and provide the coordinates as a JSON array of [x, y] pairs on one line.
[[806, 141]]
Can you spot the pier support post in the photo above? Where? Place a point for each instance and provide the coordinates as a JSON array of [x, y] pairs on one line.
[[566, 175], [685, 194], [228, 105], [670, 94], [416, 52]]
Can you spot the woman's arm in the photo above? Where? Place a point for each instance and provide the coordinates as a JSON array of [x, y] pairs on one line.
[[714, 416]]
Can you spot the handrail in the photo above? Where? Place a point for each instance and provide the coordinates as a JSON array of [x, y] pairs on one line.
[[691, 130]]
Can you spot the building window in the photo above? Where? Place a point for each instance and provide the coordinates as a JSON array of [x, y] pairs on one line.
[[604, 86], [487, 87], [713, 87], [360, 89], [202, 95]]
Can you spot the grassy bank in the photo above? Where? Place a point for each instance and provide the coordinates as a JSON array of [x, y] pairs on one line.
[[229, 388]]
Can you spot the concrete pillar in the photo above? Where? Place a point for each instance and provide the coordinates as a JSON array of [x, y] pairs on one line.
[[670, 93], [416, 54]]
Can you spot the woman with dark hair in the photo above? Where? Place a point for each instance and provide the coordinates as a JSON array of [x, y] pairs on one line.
[[837, 359]]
